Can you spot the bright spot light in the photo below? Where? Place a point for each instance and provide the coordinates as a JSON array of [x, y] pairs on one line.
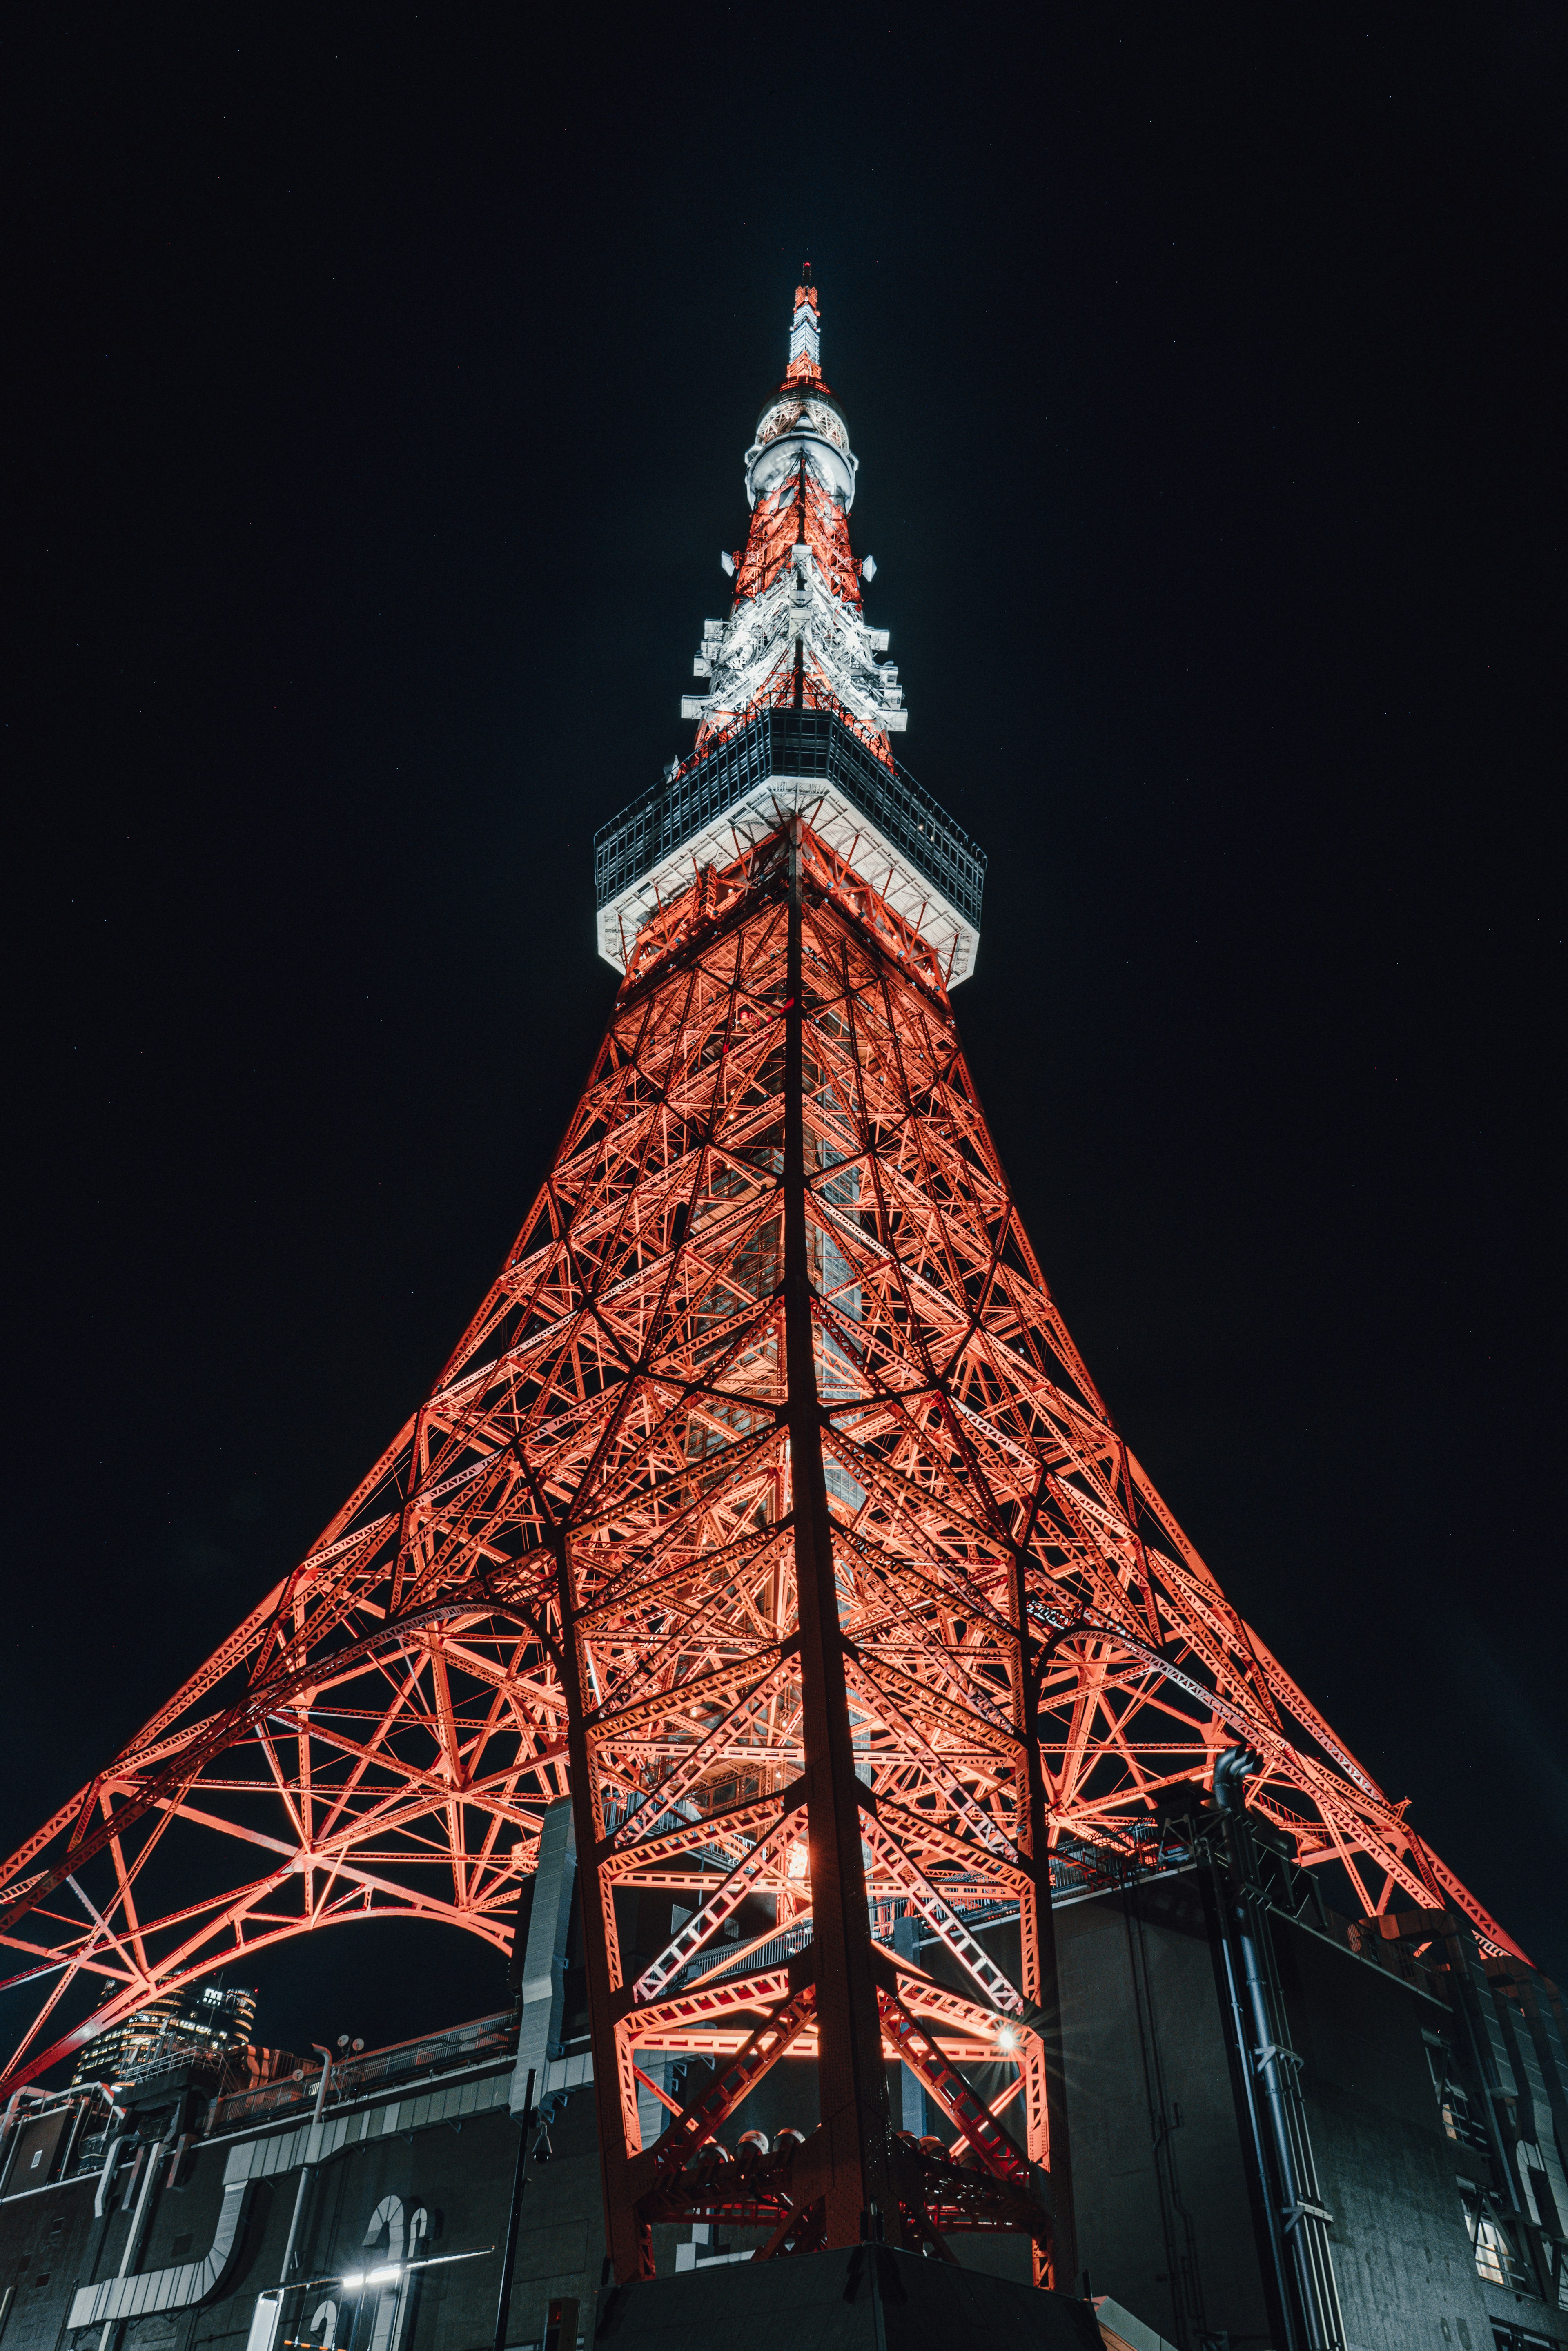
[[357, 2280], [1006, 2038], [380, 2277], [795, 1862]]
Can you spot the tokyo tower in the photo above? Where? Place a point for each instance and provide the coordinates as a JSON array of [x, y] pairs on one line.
[[764, 1532]]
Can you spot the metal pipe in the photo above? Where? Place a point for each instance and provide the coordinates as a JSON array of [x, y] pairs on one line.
[[1298, 2246], [519, 2181], [134, 2234], [73, 2132], [1255, 2131], [1266, 2059], [106, 2177], [138, 2218], [307, 2171]]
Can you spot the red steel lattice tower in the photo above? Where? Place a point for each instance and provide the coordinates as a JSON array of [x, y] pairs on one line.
[[765, 1510]]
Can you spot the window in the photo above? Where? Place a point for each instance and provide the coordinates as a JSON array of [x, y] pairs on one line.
[[1461, 2121], [1496, 2260]]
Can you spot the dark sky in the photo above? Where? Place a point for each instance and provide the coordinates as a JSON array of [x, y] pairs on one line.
[[378, 390]]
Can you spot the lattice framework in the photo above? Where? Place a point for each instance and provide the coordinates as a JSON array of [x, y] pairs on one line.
[[580, 1568]]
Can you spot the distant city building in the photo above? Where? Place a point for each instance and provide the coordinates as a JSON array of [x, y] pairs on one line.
[[205, 2021]]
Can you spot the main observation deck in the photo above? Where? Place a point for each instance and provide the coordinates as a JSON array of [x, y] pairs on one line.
[[876, 817]]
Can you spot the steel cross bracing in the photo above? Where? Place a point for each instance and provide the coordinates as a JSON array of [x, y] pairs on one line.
[[767, 1508]]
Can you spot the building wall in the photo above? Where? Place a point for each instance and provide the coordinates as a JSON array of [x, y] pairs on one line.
[[46, 2245], [1160, 2175], [1402, 2257], [1159, 2187], [458, 2172], [1166, 2221]]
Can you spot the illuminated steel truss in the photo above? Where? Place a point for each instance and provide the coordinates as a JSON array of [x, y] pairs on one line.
[[767, 1508]]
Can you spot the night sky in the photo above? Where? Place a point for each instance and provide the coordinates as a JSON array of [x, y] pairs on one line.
[[378, 389]]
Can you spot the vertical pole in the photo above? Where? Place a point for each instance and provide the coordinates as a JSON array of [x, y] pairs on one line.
[[1041, 1981], [1293, 2232], [307, 2171], [614, 2087], [852, 2078], [519, 2181], [110, 2334]]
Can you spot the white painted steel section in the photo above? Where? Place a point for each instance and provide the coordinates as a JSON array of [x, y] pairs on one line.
[[831, 813], [1115, 2322], [758, 640]]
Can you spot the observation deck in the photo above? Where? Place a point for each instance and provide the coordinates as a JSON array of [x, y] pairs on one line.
[[876, 817]]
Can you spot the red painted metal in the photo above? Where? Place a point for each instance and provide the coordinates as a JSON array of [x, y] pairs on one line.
[[768, 1509]]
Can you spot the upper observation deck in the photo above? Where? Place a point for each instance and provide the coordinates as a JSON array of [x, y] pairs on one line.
[[867, 809]]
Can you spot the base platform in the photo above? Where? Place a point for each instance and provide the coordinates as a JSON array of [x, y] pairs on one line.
[[855, 2298]]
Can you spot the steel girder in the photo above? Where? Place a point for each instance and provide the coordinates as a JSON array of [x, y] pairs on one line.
[[768, 1509]]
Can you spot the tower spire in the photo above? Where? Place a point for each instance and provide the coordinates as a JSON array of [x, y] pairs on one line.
[[797, 633], [805, 335]]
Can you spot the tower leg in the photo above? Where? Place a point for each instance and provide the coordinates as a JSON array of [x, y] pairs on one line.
[[614, 2083], [1045, 2087], [850, 2072]]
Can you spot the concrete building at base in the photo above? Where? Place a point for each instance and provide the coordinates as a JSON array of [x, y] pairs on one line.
[[1432, 2085]]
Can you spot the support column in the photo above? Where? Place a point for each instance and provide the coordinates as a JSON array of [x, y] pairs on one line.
[[614, 2089], [850, 2074], [1041, 1982]]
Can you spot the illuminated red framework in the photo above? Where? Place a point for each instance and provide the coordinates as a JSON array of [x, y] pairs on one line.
[[767, 1508]]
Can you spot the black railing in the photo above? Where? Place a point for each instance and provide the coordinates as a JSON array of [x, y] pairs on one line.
[[809, 743], [488, 2038]]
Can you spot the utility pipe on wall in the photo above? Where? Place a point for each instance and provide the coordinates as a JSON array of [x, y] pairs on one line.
[[308, 2172], [134, 2234]]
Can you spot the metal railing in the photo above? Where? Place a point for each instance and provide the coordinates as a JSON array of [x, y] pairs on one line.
[[711, 1966], [226, 2066], [377, 2069], [809, 743]]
